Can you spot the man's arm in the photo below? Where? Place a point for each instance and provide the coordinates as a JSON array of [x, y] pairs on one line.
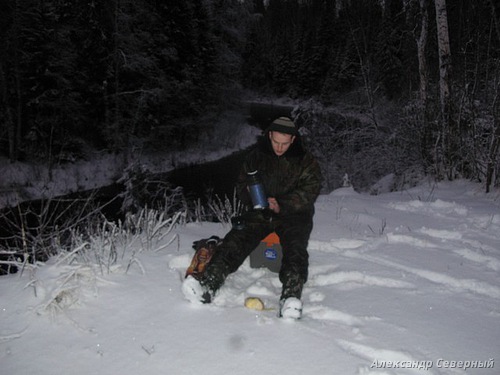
[[308, 188]]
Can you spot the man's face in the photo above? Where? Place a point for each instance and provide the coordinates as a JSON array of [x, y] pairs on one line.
[[281, 142]]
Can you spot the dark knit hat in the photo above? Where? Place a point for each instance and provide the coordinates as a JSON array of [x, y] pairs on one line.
[[283, 125]]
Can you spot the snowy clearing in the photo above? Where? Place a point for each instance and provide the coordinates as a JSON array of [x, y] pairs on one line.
[[400, 283]]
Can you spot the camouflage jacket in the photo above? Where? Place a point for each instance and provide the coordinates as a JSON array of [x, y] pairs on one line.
[[294, 178]]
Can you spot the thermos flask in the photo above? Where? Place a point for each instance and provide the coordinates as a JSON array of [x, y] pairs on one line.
[[259, 199]]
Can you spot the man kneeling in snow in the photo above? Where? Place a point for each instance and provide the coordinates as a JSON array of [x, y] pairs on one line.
[[291, 178]]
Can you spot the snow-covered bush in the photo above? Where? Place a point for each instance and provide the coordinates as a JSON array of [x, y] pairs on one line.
[[225, 209], [143, 189], [37, 230], [71, 276], [348, 140]]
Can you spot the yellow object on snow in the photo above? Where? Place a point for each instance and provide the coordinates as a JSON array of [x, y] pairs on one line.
[[254, 303]]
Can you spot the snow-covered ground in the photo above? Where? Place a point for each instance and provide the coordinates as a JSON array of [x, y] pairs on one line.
[[400, 283]]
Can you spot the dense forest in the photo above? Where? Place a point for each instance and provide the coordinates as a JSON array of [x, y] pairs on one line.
[[418, 80]]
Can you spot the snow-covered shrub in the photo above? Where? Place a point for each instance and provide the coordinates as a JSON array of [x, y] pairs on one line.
[[35, 231], [348, 140], [225, 209], [69, 277], [143, 189]]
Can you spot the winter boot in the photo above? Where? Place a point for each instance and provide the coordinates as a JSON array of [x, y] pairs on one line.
[[213, 278], [203, 288], [291, 308], [195, 292], [290, 303]]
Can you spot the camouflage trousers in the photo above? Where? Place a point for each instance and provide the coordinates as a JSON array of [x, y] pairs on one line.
[[293, 231]]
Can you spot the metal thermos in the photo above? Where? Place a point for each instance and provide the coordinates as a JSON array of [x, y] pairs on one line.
[[259, 199]]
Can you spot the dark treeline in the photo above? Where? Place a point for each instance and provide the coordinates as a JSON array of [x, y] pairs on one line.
[[102, 71], [96, 73]]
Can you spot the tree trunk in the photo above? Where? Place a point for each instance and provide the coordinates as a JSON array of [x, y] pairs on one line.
[[421, 51], [492, 159], [495, 20], [7, 115], [444, 56], [444, 86], [427, 141], [14, 125], [18, 124], [495, 142], [116, 81]]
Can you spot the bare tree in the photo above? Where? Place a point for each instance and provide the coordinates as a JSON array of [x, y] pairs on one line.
[[444, 77], [7, 115], [444, 56], [421, 50], [495, 142], [12, 121]]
